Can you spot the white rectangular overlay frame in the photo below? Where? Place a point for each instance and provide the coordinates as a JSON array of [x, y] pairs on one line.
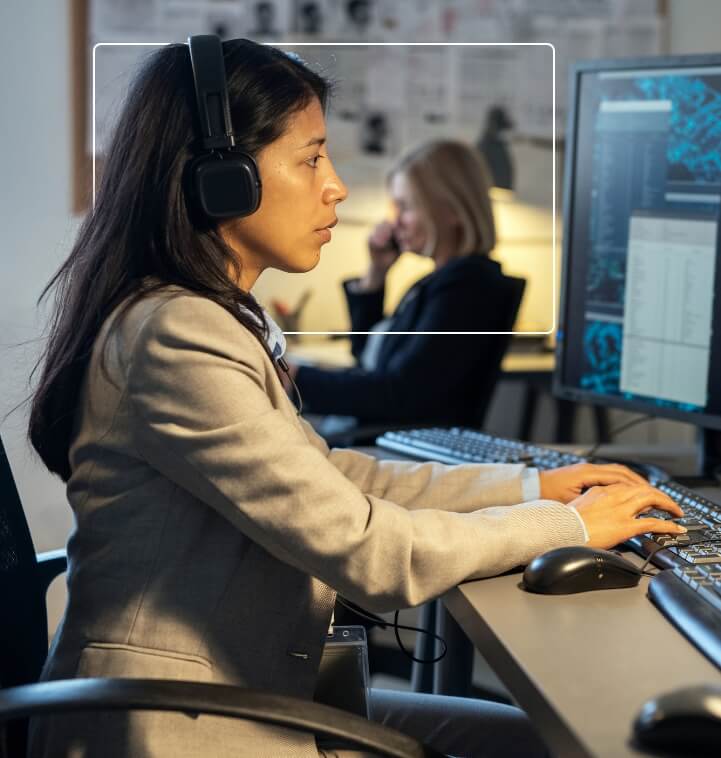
[[409, 44]]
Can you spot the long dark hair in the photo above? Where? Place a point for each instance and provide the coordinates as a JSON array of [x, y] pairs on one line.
[[141, 226]]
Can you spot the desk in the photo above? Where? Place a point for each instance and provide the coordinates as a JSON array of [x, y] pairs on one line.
[[580, 665]]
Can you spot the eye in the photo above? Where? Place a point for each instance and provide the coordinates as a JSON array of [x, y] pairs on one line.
[[313, 161]]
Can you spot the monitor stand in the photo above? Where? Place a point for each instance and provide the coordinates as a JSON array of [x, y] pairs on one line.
[[708, 454], [707, 461]]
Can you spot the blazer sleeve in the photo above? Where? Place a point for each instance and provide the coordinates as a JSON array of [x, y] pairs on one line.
[[200, 415], [462, 488], [419, 376]]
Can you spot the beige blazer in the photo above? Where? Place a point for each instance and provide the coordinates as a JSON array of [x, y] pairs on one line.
[[214, 527]]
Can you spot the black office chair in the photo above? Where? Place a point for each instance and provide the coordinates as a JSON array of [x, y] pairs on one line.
[[24, 579], [366, 434]]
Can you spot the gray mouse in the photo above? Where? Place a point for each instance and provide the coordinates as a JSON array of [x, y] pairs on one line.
[[683, 722], [578, 569]]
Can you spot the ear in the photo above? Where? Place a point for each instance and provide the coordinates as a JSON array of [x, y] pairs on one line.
[[453, 219]]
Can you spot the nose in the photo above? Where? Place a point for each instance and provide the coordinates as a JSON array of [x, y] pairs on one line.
[[334, 190]]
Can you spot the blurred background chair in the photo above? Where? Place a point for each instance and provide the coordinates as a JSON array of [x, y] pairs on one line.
[[365, 434]]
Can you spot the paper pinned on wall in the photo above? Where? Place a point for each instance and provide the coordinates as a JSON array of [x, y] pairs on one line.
[[178, 20], [387, 78], [389, 99], [412, 20], [484, 77], [112, 19], [115, 66], [427, 79]]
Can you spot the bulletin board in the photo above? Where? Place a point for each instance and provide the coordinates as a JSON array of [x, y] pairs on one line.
[[389, 97]]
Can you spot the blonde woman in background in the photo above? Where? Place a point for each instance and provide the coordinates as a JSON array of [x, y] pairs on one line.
[[443, 211]]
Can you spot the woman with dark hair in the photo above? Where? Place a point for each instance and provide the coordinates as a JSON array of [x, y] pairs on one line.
[[213, 526]]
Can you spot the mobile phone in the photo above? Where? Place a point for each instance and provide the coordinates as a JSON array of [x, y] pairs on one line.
[[395, 246]]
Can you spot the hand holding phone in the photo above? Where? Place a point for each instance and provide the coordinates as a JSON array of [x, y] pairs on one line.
[[383, 248]]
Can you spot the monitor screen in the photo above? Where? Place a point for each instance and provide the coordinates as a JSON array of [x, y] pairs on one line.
[[640, 322]]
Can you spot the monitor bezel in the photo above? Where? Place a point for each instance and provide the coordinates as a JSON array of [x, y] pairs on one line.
[[561, 390]]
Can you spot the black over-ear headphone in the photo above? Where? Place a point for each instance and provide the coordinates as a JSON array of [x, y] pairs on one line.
[[222, 181]]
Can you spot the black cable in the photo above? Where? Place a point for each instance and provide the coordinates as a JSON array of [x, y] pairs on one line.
[[298, 402], [618, 429], [648, 560], [396, 627]]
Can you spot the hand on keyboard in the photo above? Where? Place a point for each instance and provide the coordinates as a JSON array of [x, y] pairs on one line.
[[566, 483], [610, 513]]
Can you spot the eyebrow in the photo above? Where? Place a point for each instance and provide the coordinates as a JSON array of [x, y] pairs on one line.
[[313, 141]]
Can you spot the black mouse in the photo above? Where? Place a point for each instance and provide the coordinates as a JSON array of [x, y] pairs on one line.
[[578, 569], [684, 722]]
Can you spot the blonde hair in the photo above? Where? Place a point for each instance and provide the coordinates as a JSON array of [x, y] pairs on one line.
[[451, 174]]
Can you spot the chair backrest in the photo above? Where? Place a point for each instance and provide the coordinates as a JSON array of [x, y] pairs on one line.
[[515, 287], [23, 619]]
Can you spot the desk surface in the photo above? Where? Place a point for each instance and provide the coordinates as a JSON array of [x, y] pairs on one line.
[[336, 354], [580, 665]]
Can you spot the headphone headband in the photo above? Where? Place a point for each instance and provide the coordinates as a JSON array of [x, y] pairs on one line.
[[206, 59], [222, 182]]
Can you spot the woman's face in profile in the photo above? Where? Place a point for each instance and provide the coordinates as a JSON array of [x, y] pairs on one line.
[[410, 228], [300, 192]]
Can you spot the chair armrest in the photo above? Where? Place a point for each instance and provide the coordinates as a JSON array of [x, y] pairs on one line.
[[51, 564], [217, 699]]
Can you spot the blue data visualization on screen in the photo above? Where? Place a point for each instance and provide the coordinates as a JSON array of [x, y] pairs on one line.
[[642, 255]]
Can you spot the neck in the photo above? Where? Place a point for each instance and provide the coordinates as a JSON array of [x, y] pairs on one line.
[[249, 269], [447, 249]]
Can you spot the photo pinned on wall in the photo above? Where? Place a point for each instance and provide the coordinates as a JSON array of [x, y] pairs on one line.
[[310, 18], [352, 20], [375, 138], [268, 20]]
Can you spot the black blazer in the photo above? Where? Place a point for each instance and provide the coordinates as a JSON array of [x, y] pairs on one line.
[[424, 378]]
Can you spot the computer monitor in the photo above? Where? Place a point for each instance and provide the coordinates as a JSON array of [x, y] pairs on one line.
[[640, 318]]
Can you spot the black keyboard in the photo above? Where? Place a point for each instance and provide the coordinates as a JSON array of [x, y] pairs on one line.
[[688, 593], [690, 598], [699, 546], [458, 445], [702, 517]]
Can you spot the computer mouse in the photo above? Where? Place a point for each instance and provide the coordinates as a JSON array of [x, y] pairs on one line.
[[683, 722], [578, 569]]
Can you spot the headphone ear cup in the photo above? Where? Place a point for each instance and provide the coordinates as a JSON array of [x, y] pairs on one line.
[[225, 185]]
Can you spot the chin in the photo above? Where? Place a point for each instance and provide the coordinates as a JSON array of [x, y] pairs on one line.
[[302, 265]]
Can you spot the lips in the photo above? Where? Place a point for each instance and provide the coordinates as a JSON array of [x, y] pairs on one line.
[[324, 232]]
